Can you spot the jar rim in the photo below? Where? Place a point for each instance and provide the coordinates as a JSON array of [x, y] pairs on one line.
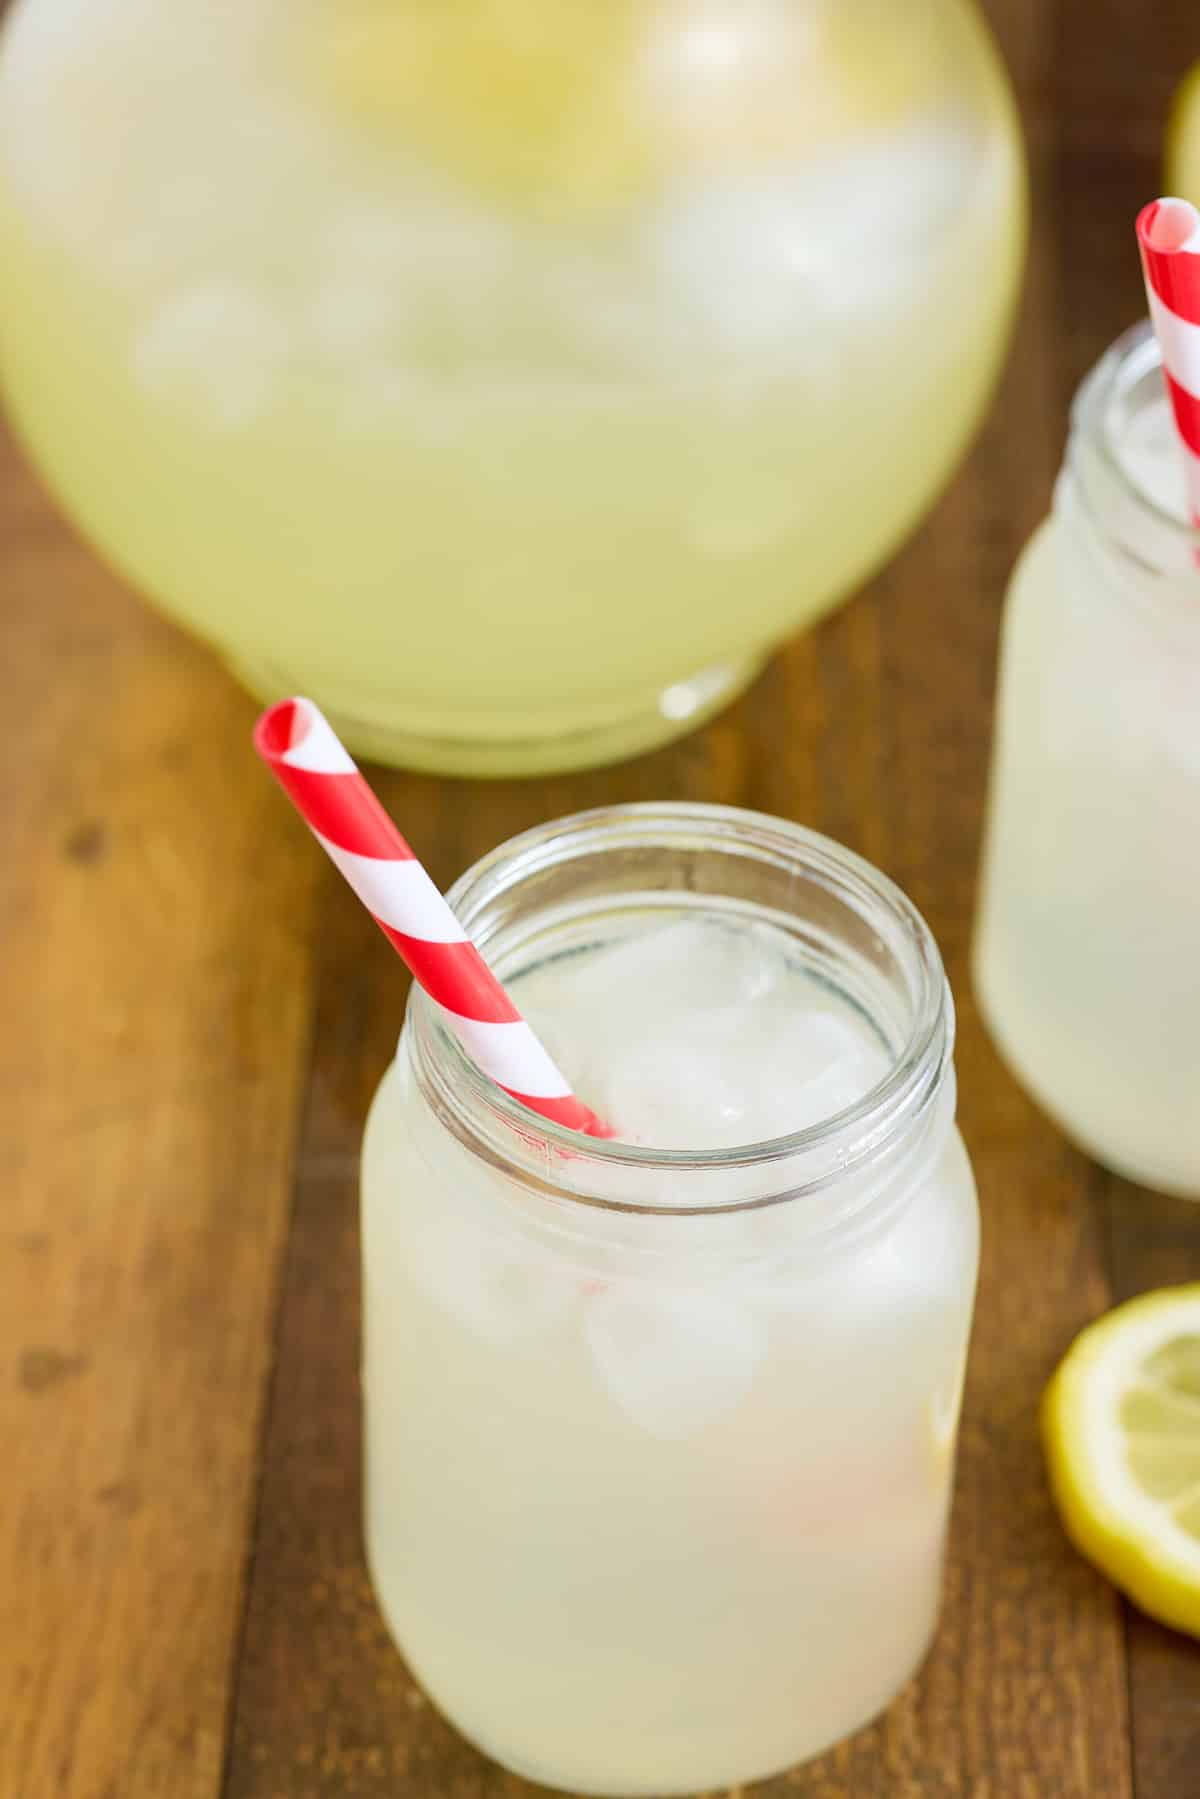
[[838, 1145], [1129, 359]]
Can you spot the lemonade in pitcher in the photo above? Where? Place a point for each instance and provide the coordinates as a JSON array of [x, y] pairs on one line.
[[509, 374]]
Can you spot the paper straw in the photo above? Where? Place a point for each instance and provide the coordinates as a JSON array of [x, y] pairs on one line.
[[317, 773], [1168, 233]]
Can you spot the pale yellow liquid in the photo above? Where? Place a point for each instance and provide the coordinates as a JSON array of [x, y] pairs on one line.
[[510, 460], [1086, 950]]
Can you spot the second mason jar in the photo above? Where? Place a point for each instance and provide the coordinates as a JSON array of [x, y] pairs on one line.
[[660, 1430], [1087, 953]]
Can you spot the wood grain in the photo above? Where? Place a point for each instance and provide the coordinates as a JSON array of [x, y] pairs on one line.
[[874, 728], [1155, 1242], [198, 1016], [155, 927], [1151, 1241]]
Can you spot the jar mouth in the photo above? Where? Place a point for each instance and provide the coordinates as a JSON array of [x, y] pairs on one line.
[[491, 1122], [1127, 379]]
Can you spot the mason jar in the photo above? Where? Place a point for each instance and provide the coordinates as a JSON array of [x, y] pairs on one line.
[[1087, 951], [660, 1435]]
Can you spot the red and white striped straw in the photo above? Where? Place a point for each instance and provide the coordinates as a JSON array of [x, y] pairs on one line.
[[1168, 233], [303, 752]]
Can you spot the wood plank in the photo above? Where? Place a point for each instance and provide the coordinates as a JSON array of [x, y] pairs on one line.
[[147, 1101], [1152, 1241], [1116, 66], [154, 934], [324, 1705], [1024, 1691], [873, 727], [1155, 1242]]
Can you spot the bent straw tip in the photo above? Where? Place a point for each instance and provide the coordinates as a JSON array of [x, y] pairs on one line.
[[1169, 225], [295, 733], [281, 727]]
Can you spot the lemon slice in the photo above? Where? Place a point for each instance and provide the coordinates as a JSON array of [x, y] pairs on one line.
[[1183, 139], [1121, 1427]]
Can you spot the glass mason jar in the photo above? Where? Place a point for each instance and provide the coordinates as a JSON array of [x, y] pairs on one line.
[[509, 375], [1087, 950], [659, 1445]]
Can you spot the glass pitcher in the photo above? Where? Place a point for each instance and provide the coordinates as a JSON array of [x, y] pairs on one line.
[[510, 375]]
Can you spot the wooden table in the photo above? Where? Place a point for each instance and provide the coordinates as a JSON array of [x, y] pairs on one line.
[[197, 1012]]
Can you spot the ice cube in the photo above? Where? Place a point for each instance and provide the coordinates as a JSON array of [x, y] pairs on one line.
[[683, 965], [898, 188], [753, 1073], [421, 243], [742, 261], [810, 1066], [106, 120], [702, 47], [59, 136], [643, 1024], [349, 316], [499, 1291], [852, 227], [217, 349], [675, 1092], [703, 1034], [674, 1361]]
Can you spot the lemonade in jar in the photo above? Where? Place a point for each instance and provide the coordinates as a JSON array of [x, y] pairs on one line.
[[1087, 949], [660, 1428], [510, 374]]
